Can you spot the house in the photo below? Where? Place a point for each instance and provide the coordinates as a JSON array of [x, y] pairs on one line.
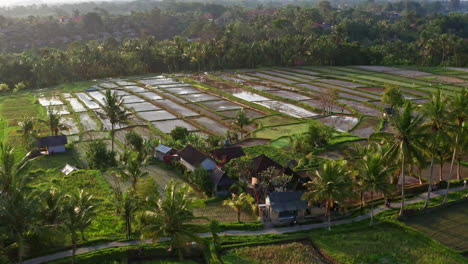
[[192, 158], [226, 154], [283, 208], [68, 169], [163, 151], [221, 182], [52, 144]]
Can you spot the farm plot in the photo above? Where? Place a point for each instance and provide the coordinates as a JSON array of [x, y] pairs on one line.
[[246, 95], [232, 79], [143, 131], [46, 101], [211, 125], [296, 74], [311, 87], [259, 87], [99, 97], [290, 95], [319, 104], [247, 77], [142, 107], [273, 78], [183, 90], [449, 225], [289, 109], [366, 127], [136, 89], [199, 97], [60, 109], [221, 105], [90, 103], [76, 105], [108, 85], [167, 126], [302, 71], [151, 96], [158, 81], [233, 113], [130, 99], [341, 83], [360, 107], [176, 108], [176, 85], [71, 128], [287, 75], [125, 83], [378, 90], [338, 122], [275, 132], [87, 122], [106, 123], [157, 115]]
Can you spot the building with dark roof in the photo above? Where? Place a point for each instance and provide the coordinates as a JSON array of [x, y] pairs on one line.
[[192, 158], [221, 182], [228, 153], [284, 207], [52, 144]]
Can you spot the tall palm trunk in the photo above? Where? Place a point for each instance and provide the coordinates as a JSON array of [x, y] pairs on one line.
[[451, 168], [328, 215], [429, 186], [372, 208], [402, 207], [73, 248], [459, 169], [20, 250], [112, 136], [441, 167]]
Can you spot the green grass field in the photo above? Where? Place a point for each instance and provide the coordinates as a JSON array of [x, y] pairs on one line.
[[280, 131], [449, 225]]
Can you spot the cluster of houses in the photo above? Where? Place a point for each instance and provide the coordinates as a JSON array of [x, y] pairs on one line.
[[279, 206]]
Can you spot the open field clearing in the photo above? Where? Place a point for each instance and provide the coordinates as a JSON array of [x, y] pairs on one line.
[[447, 225]]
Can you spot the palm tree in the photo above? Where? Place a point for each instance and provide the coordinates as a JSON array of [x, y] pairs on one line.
[[243, 201], [405, 142], [19, 209], [171, 216], [27, 125], [54, 121], [331, 184], [437, 115], [458, 113], [11, 168], [241, 120], [130, 168], [114, 111], [78, 213], [51, 210], [126, 206], [374, 176]]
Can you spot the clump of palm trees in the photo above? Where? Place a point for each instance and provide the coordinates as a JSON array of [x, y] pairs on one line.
[[434, 131]]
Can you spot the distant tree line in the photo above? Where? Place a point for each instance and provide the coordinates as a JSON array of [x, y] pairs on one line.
[[230, 38]]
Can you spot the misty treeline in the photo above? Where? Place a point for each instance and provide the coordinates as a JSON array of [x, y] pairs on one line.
[[214, 37]]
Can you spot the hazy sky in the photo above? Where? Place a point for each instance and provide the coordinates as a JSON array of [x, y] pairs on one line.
[[38, 2]]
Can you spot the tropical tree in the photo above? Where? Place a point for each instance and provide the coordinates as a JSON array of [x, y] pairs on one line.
[[436, 114], [332, 183], [241, 120], [78, 213], [393, 97], [171, 216], [27, 125], [239, 202], [374, 176], [405, 143], [114, 111], [54, 121], [131, 168], [458, 113], [52, 205], [126, 205], [11, 168], [19, 211]]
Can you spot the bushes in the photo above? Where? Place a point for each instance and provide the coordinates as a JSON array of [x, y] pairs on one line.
[[201, 179], [98, 157]]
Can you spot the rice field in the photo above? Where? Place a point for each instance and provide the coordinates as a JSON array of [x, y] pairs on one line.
[[208, 103]]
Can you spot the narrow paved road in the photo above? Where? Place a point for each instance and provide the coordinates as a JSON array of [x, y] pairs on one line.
[[281, 230]]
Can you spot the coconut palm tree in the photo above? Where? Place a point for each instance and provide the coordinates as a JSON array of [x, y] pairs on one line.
[[435, 111], [241, 120], [171, 216], [27, 124], [374, 176], [114, 111], [239, 202], [130, 168], [332, 183], [19, 210], [78, 213], [458, 113], [11, 168], [54, 121], [405, 142], [52, 206], [126, 205]]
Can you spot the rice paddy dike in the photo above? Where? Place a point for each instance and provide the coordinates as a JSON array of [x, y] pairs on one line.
[[278, 99]]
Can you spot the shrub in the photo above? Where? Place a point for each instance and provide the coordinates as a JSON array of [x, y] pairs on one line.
[[201, 179], [98, 157]]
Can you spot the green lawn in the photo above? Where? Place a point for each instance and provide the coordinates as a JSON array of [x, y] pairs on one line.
[[449, 225]]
